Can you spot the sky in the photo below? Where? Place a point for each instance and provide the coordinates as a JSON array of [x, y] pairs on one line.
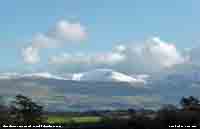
[[132, 36]]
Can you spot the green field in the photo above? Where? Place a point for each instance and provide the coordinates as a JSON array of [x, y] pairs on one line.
[[78, 119]]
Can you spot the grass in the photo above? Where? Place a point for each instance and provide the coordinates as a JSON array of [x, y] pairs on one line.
[[78, 120]]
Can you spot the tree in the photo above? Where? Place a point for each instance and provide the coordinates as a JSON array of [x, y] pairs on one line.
[[167, 114], [191, 110], [24, 110], [189, 102]]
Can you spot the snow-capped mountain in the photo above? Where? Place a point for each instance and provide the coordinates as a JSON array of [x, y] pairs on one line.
[[98, 85], [106, 75], [95, 89], [98, 75]]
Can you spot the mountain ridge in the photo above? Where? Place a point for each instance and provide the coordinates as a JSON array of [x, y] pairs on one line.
[[104, 75]]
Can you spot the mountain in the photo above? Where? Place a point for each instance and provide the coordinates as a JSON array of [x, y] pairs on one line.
[[182, 72], [176, 82], [98, 75], [106, 75], [104, 88], [96, 90], [9, 75]]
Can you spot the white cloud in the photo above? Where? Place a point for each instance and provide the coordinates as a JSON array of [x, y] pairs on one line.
[[108, 58], [120, 48], [62, 32], [66, 58], [83, 59], [67, 31], [42, 41], [156, 52], [165, 53], [152, 55], [31, 55]]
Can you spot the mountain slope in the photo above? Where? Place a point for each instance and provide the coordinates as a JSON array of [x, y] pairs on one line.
[[98, 75], [106, 75], [44, 75]]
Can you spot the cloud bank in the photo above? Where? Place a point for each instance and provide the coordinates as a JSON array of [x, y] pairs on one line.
[[152, 55]]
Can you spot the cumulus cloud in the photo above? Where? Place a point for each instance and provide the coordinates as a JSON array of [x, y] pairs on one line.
[[150, 56], [65, 30], [42, 41], [154, 54], [30, 55], [162, 52], [96, 59], [120, 48], [62, 32]]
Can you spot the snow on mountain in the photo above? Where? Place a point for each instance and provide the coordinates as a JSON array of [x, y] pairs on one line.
[[42, 75], [106, 75], [45, 75], [100, 75], [141, 77], [9, 75]]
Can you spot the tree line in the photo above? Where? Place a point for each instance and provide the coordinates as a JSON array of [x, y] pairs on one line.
[[22, 110]]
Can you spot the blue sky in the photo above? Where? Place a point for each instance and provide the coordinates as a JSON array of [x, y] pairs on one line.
[[107, 23]]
